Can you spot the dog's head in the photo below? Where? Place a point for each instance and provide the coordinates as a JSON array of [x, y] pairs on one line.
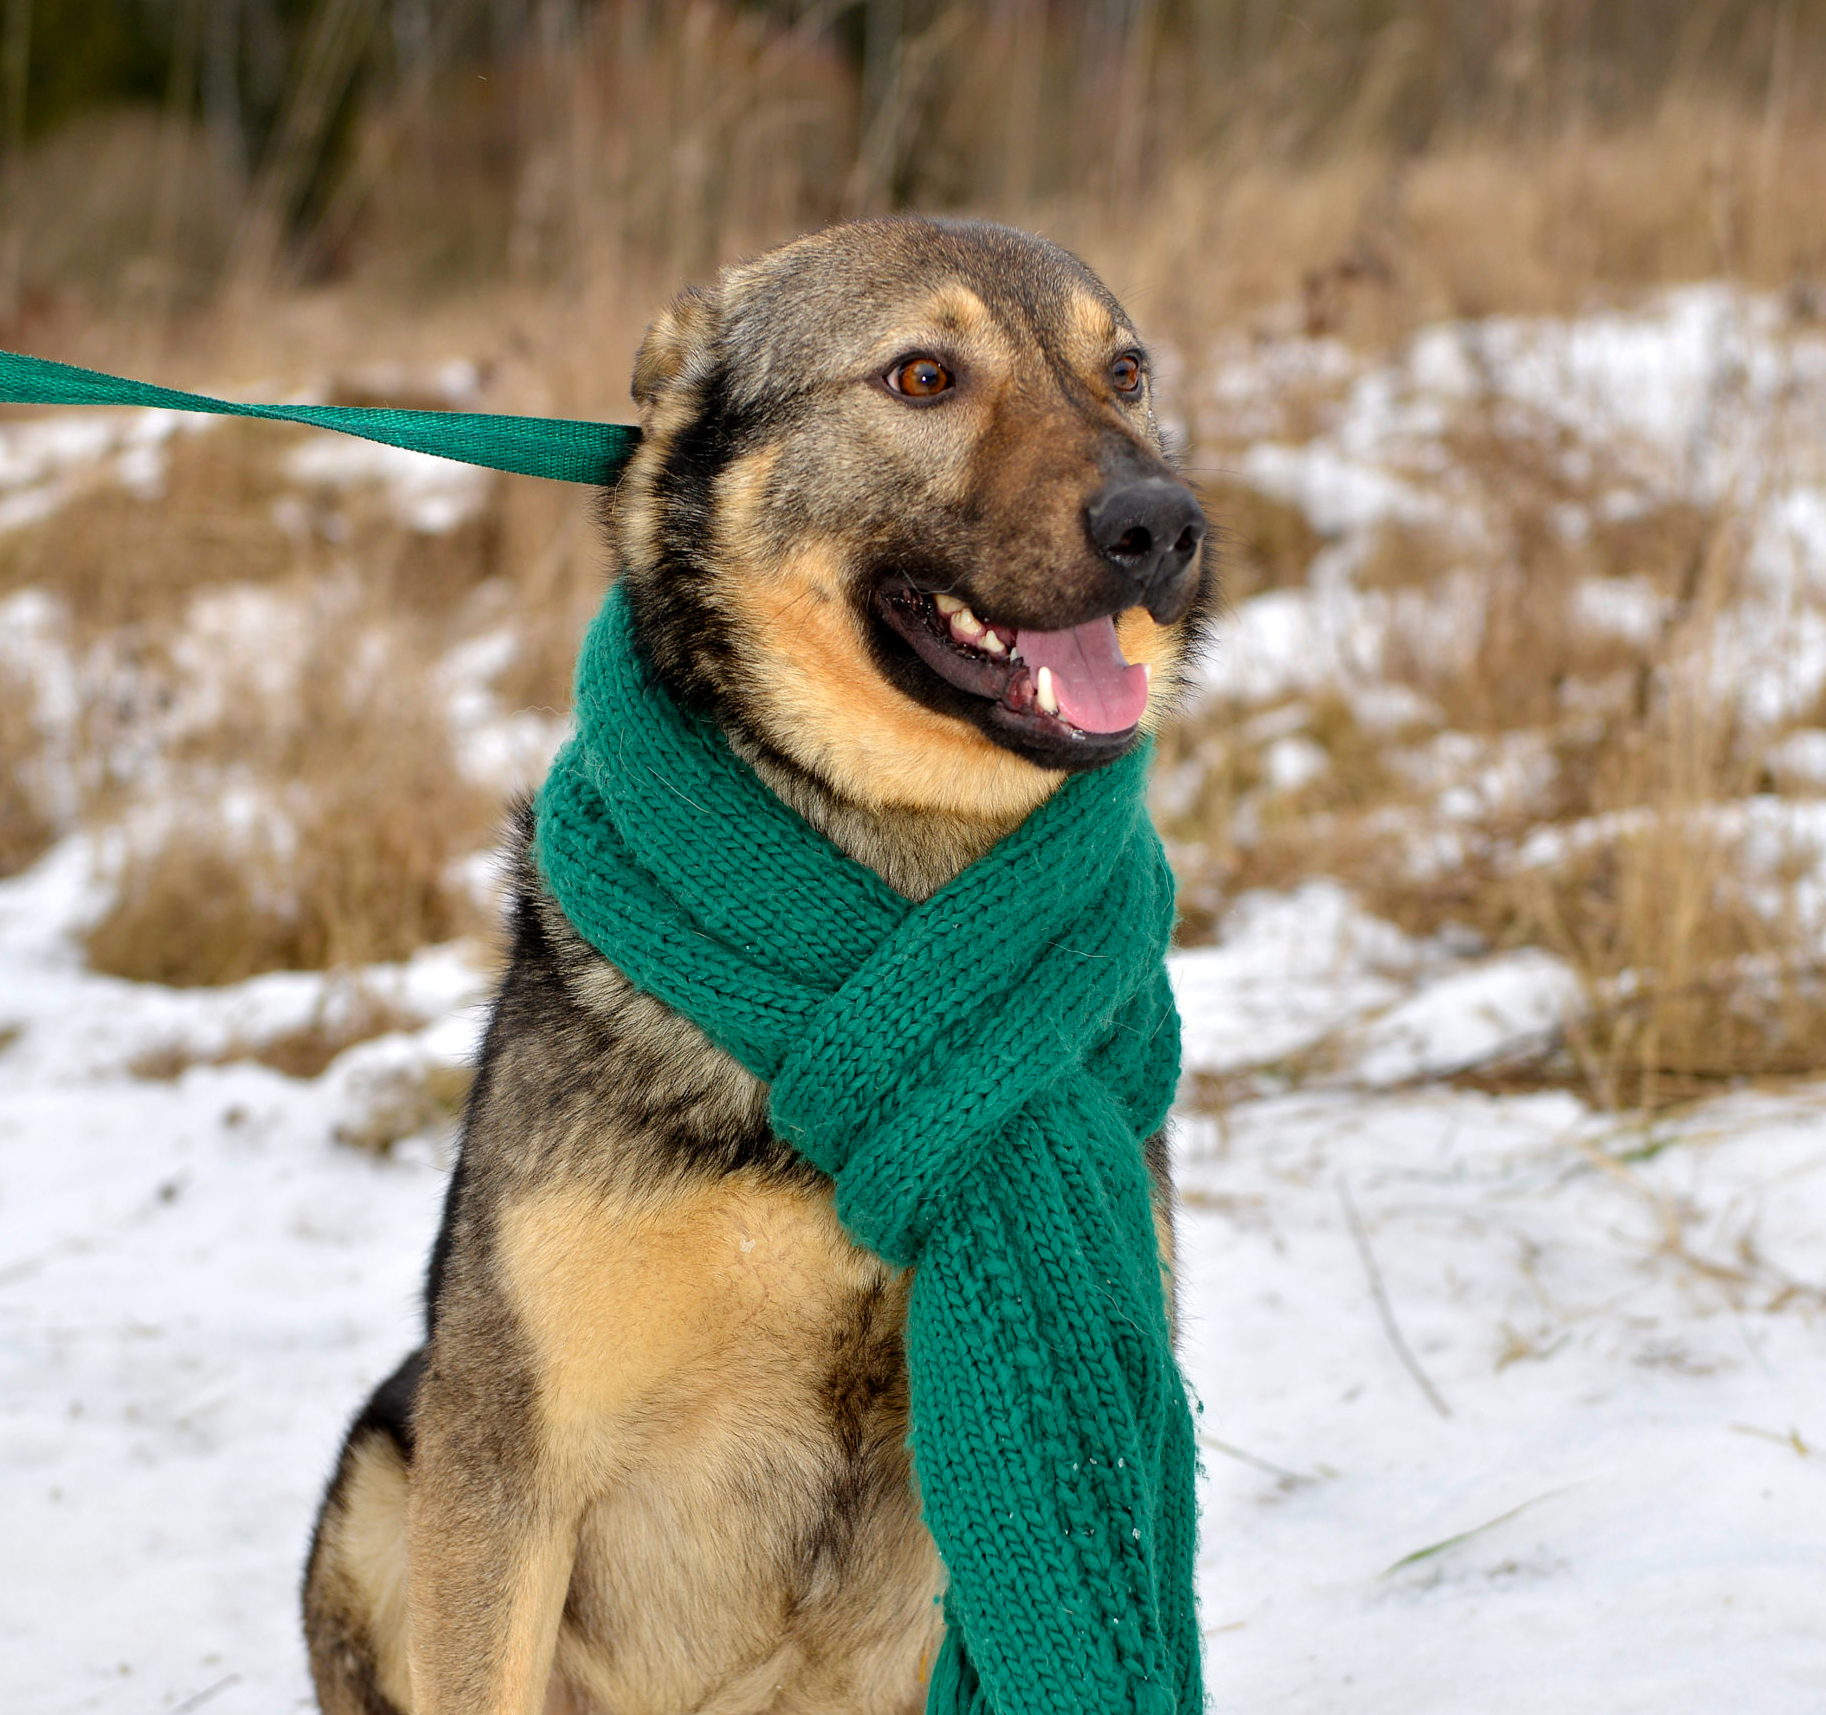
[[902, 515]]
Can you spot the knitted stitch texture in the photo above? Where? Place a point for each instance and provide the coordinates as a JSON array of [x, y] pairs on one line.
[[977, 1074]]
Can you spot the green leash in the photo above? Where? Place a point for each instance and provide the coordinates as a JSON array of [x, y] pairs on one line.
[[557, 447]]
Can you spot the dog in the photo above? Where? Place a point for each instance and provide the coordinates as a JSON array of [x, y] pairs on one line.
[[652, 1455]]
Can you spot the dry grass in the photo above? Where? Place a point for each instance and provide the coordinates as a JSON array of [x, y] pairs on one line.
[[291, 800], [347, 855], [405, 1102], [1696, 949], [1366, 163], [346, 1016], [26, 831], [1618, 831], [386, 1103], [1264, 543], [1369, 245], [120, 560]]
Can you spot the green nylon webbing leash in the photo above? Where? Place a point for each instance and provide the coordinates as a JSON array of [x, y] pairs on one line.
[[561, 448]]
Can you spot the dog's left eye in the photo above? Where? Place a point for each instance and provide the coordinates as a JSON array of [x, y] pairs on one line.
[[1125, 373], [919, 377]]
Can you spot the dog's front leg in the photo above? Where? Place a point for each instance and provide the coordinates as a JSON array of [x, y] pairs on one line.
[[491, 1535]]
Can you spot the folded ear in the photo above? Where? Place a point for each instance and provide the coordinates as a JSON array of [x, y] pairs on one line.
[[683, 331]]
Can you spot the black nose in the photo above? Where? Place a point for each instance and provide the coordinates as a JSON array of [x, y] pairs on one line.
[[1150, 532]]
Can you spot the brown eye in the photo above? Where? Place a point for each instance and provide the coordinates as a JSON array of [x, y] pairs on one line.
[[919, 377], [1125, 373]]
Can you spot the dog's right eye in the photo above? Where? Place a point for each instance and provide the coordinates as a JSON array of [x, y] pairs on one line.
[[919, 377]]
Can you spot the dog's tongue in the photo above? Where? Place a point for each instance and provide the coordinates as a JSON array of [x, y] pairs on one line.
[[1098, 691]]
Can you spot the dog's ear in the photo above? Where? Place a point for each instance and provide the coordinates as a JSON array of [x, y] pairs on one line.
[[683, 329]]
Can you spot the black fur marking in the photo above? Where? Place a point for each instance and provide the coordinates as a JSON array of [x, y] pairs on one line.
[[603, 1054], [681, 629], [390, 1407], [865, 1393], [442, 1246], [346, 1660]]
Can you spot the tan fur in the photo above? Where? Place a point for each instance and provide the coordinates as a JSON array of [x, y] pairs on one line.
[[956, 309], [647, 1310], [822, 699], [668, 348], [1145, 643], [485, 1592], [1092, 322], [681, 1337], [368, 1539]]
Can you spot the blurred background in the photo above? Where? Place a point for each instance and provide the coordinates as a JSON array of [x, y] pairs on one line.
[[481, 202], [1494, 335]]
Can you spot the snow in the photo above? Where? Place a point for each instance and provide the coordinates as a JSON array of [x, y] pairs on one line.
[[1703, 394], [198, 1284], [1471, 1017], [508, 750], [1290, 971], [47, 462], [1800, 758], [426, 494], [1337, 493], [1668, 1545], [1294, 640]]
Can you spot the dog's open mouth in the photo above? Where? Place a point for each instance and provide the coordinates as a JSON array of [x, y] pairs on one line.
[[1071, 687]]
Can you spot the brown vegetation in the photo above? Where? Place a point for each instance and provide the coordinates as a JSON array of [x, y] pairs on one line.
[[346, 856], [1622, 839], [349, 1014], [26, 831]]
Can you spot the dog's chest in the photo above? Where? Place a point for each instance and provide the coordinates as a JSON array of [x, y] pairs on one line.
[[728, 1371]]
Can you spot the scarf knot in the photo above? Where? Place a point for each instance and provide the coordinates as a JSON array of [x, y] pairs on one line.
[[977, 1074]]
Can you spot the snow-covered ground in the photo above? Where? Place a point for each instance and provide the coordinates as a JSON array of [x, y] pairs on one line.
[[1597, 1479], [1625, 1509], [197, 1281], [1508, 1405], [1596, 1482]]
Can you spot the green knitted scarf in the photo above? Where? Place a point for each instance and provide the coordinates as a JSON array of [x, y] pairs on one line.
[[977, 1073]]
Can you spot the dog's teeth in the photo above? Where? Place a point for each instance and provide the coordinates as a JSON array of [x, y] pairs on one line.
[[1014, 652], [1043, 686], [993, 644], [948, 604], [964, 623]]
